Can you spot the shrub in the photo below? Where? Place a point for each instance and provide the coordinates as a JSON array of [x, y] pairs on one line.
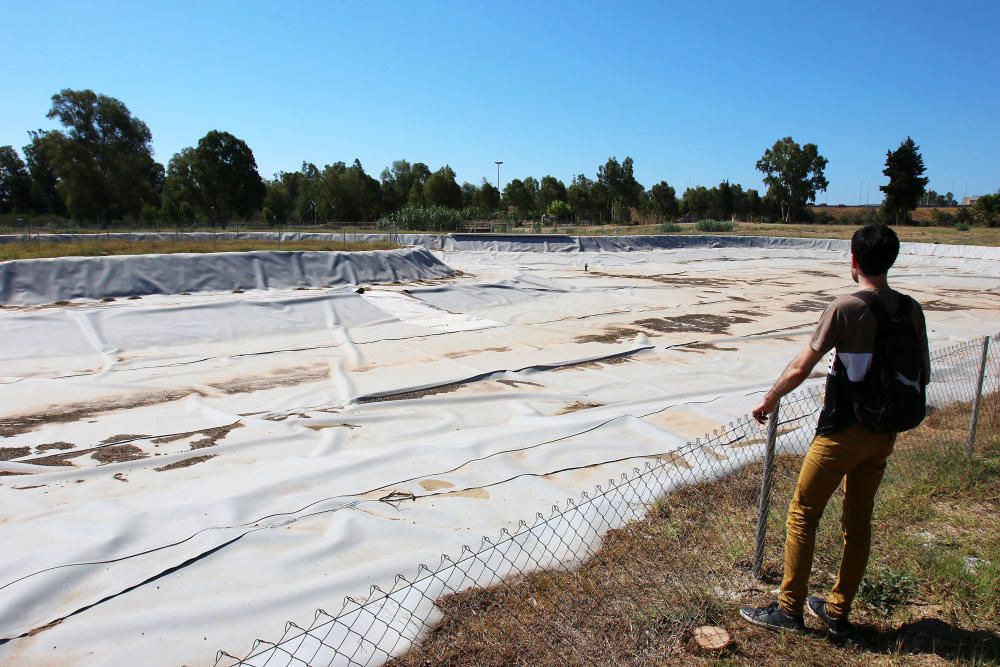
[[669, 228], [714, 226], [437, 218], [961, 226], [886, 590], [940, 217]]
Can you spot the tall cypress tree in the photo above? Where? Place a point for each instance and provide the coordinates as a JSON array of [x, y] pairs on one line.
[[905, 168]]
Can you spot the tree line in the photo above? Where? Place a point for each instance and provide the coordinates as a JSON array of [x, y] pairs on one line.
[[100, 167]]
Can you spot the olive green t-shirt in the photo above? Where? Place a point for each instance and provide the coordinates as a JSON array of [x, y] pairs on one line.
[[848, 326]]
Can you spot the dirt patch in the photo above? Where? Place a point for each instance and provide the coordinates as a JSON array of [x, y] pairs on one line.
[[576, 406], [676, 460], [281, 377], [213, 435], [10, 453], [186, 463], [940, 305], [671, 279], [59, 459], [122, 437], [478, 494], [118, 454], [43, 628], [436, 484], [63, 414], [695, 323], [321, 427], [698, 347], [807, 306], [466, 353], [54, 445], [419, 393], [516, 383], [615, 334], [596, 364]]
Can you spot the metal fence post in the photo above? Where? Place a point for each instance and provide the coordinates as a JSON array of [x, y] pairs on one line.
[[970, 447], [765, 492]]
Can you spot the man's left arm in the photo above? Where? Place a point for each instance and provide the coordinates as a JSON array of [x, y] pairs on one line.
[[792, 377]]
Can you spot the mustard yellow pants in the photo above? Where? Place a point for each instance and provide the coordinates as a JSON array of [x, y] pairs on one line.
[[858, 457]]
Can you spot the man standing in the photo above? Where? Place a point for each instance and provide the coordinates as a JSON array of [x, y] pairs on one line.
[[843, 448]]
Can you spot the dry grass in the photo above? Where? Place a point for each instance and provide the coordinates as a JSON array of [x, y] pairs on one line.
[[977, 235], [686, 563], [101, 247]]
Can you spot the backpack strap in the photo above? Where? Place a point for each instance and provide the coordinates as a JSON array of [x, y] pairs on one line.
[[875, 305]]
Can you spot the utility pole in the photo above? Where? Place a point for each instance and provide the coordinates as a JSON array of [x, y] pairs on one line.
[[499, 192]]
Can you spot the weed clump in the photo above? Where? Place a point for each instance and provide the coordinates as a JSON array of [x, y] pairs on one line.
[[715, 226]]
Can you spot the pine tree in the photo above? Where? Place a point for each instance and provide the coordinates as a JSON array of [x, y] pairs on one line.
[[905, 168]]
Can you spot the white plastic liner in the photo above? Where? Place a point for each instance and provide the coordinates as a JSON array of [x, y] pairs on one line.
[[525, 375]]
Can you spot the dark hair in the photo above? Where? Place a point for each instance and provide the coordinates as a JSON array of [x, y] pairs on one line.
[[875, 248]]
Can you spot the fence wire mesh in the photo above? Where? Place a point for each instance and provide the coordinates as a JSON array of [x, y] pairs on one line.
[[629, 567]]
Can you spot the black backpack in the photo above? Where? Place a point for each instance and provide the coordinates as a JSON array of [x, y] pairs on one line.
[[891, 397]]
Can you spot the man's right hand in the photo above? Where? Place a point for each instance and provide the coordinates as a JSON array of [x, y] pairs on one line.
[[764, 408]]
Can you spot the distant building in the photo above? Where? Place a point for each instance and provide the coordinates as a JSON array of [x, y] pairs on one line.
[[969, 201]]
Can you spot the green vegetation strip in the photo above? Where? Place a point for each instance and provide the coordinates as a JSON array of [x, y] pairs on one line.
[[99, 248]]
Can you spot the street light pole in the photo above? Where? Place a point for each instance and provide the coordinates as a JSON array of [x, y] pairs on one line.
[[500, 199]]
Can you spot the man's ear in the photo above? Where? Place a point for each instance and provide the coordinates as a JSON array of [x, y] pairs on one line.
[[854, 261]]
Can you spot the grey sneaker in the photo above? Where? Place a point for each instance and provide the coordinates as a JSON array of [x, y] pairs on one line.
[[839, 628], [773, 617]]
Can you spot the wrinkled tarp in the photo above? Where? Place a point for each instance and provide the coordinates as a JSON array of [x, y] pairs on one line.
[[40, 281], [533, 242], [194, 471]]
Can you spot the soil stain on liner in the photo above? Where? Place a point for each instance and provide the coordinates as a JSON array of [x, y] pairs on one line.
[[118, 454], [194, 460]]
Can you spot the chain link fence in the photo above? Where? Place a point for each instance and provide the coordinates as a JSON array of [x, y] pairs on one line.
[[630, 567]]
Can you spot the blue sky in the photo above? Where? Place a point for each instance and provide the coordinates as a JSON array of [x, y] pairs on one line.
[[693, 91]]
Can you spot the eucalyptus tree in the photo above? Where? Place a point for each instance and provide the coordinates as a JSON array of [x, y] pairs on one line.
[[550, 189], [622, 190], [487, 197], [518, 197], [663, 200], [217, 180], [44, 191], [582, 198], [403, 184], [793, 175], [103, 160], [441, 189], [15, 182]]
